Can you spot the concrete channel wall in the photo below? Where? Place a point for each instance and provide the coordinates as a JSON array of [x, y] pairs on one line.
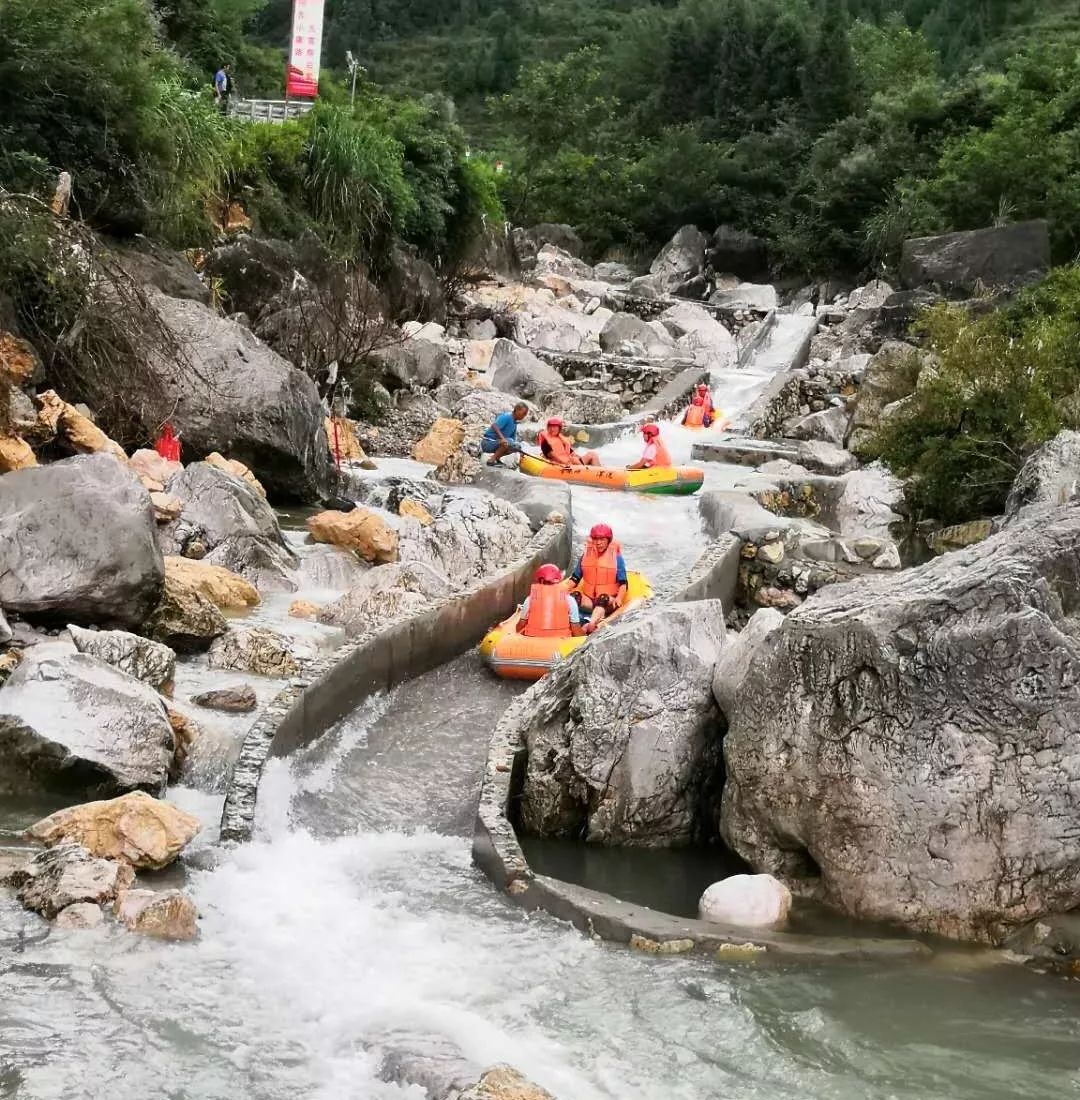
[[393, 653]]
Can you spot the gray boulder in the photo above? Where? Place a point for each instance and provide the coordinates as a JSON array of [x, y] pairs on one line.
[[826, 458], [680, 259], [71, 723], [623, 738], [233, 522], [1005, 256], [612, 272], [515, 369], [6, 633], [413, 289], [540, 499], [898, 744], [151, 662], [471, 538], [226, 391], [891, 375], [828, 426], [735, 252], [559, 235], [626, 334], [252, 272], [386, 592], [551, 260], [759, 297], [68, 875], [871, 502], [578, 406], [1050, 476], [479, 407], [78, 543], [149, 264], [412, 362]]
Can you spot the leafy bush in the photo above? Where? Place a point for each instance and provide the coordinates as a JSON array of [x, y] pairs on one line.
[[999, 385]]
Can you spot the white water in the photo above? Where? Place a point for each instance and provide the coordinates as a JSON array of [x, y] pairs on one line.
[[349, 938]]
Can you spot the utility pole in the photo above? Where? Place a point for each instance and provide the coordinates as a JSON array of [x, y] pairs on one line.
[[354, 67]]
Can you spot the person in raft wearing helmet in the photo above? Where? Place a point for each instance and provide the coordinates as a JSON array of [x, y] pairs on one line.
[[702, 400], [549, 611], [599, 578], [655, 453], [558, 448], [500, 438]]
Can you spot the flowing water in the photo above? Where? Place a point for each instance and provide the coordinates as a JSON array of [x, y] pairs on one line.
[[353, 944]]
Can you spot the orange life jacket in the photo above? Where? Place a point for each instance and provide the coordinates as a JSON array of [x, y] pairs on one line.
[[662, 456], [707, 402], [599, 572], [562, 450], [549, 616], [695, 416]]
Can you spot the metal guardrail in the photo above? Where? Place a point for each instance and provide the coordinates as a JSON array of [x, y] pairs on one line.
[[269, 110]]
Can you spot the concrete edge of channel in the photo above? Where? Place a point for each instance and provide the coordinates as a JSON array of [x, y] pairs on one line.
[[498, 853], [397, 651]]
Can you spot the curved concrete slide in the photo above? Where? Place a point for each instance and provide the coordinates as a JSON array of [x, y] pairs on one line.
[[395, 652]]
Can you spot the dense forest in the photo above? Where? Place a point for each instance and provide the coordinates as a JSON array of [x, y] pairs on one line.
[[833, 129]]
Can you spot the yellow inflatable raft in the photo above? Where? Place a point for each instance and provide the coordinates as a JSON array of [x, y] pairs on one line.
[[678, 481], [515, 656]]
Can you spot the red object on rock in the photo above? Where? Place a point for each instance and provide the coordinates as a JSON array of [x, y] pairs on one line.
[[168, 444]]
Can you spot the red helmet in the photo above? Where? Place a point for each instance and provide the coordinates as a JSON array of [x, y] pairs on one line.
[[548, 574], [702, 388], [650, 431], [601, 531], [699, 401], [554, 422]]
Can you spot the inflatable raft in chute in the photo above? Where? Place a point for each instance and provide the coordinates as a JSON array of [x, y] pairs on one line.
[[515, 656], [679, 481]]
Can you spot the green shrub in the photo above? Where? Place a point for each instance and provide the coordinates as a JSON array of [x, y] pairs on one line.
[[998, 386]]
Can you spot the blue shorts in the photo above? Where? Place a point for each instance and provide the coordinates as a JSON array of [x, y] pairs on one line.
[[490, 446]]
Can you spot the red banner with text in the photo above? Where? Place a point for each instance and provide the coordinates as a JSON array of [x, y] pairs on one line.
[[305, 50]]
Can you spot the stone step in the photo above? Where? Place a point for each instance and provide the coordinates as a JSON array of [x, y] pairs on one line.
[[744, 452]]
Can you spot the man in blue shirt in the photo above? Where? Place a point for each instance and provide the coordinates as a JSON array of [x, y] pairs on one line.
[[223, 88], [501, 438]]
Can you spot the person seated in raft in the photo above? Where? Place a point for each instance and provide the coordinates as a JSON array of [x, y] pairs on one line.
[[695, 415], [501, 437], [549, 611], [599, 578], [558, 448], [705, 394], [655, 453]]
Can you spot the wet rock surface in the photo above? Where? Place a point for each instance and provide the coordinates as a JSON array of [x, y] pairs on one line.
[[69, 875], [69, 722], [151, 662], [896, 745]]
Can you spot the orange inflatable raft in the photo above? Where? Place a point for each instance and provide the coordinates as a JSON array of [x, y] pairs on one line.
[[678, 481], [515, 656]]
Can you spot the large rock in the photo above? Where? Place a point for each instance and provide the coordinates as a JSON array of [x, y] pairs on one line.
[[149, 264], [412, 288], [759, 297], [185, 619], [77, 543], [891, 375], [69, 875], [386, 593], [900, 745], [252, 272], [561, 236], [232, 521], [733, 251], [366, 533], [69, 722], [828, 426], [151, 662], [15, 454], [135, 828], [560, 327], [542, 500], [471, 538], [478, 408], [622, 736], [256, 650], [578, 406], [76, 431], [680, 259], [626, 334], [700, 335], [1008, 255], [516, 370], [412, 362], [552, 260], [227, 391], [749, 901], [445, 437], [1050, 476], [160, 914], [224, 589], [504, 1083], [871, 503]]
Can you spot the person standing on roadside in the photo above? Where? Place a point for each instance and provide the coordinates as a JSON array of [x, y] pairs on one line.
[[223, 87]]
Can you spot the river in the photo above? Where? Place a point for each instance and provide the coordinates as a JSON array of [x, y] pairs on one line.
[[353, 941]]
